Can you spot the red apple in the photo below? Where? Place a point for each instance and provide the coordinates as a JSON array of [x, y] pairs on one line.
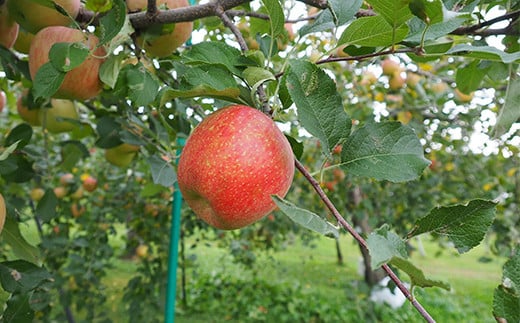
[[8, 28], [33, 16], [52, 120], [3, 212], [232, 163], [90, 184], [82, 82], [165, 44], [3, 99]]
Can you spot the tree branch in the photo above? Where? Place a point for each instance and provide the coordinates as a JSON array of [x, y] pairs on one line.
[[476, 29], [345, 225]]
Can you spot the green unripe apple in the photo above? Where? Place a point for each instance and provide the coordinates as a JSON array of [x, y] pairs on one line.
[[232, 163], [33, 16], [54, 118], [122, 155]]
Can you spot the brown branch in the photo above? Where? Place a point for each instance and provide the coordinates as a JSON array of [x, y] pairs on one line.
[[345, 225], [151, 8], [477, 29]]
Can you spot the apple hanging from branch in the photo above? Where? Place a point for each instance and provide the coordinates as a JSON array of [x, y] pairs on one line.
[[33, 16], [8, 28], [232, 163], [80, 83]]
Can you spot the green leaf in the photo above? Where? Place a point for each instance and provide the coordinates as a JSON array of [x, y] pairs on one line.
[[151, 189], [429, 11], [395, 12], [296, 146], [384, 151], [21, 135], [18, 309], [72, 152], [339, 13], [162, 172], [306, 218], [372, 31], [112, 22], [67, 56], [14, 67], [20, 276], [256, 76], [416, 275], [484, 52], [21, 248], [506, 299], [319, 105], [384, 245], [47, 81], [469, 77], [510, 112], [142, 86], [276, 17], [450, 23], [46, 208], [464, 224], [109, 70], [204, 81], [211, 53], [9, 150]]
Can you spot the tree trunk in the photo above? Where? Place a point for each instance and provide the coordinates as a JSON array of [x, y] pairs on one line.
[[372, 277]]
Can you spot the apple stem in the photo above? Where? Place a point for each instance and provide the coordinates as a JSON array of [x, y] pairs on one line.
[[345, 225]]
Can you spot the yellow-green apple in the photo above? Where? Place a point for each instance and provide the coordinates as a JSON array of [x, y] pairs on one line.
[[34, 17], [141, 251], [23, 41], [3, 212], [60, 192], [232, 163], [55, 118], [3, 100], [412, 79], [390, 67], [462, 97], [80, 83], [396, 81], [31, 116], [89, 183], [166, 43], [37, 194], [8, 28], [121, 155]]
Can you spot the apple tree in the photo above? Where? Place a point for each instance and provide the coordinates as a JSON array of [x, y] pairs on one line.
[[391, 108]]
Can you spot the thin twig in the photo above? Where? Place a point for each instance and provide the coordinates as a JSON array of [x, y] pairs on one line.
[[345, 225]]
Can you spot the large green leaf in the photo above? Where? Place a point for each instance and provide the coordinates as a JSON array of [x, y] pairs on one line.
[[67, 56], [20, 276], [142, 86], [395, 12], [469, 77], [46, 208], [464, 224], [21, 248], [384, 151], [419, 30], [276, 16], [429, 11], [506, 299], [306, 218], [47, 81], [214, 53], [339, 13], [384, 245], [112, 21], [416, 275], [484, 52], [319, 105], [510, 112], [162, 172], [372, 31]]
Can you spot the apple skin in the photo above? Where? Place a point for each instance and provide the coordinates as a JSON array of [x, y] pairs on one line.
[[31, 116], [232, 163], [3, 99], [60, 109], [90, 184], [82, 82], [3, 213], [8, 28], [122, 155], [163, 45], [33, 17]]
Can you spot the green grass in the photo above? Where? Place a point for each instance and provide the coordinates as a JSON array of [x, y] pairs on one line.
[[316, 270]]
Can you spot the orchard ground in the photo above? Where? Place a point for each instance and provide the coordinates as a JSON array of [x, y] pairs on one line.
[[313, 268]]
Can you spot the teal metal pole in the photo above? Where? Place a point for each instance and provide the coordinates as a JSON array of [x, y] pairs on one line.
[[173, 257]]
